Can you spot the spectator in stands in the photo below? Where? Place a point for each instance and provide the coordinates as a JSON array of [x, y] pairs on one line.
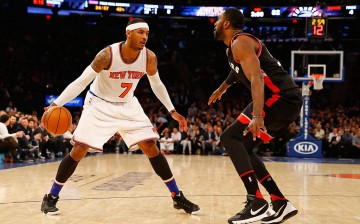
[[219, 148], [356, 144], [13, 126], [8, 142], [319, 133], [347, 138], [209, 140], [192, 111], [162, 122], [67, 138], [11, 107], [197, 143], [123, 147], [29, 151], [47, 143], [110, 145], [186, 142], [166, 143], [176, 137], [336, 146]]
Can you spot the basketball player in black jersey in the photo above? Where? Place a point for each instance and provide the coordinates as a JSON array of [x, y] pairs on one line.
[[276, 103]]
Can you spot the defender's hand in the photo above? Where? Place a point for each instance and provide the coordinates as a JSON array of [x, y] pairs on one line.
[[216, 96], [255, 125]]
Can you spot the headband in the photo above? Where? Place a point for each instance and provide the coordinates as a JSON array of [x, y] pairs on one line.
[[135, 26]]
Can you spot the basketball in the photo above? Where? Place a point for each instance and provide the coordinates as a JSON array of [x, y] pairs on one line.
[[57, 120]]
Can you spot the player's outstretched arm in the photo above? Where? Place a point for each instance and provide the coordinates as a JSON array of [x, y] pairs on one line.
[[160, 91], [100, 62], [232, 78]]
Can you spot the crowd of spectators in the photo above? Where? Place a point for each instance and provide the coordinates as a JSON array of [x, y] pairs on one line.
[[41, 56], [337, 128]]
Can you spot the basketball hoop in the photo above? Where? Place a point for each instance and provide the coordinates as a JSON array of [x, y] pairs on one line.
[[318, 80]]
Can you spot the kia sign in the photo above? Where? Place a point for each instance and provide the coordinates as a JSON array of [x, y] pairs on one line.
[[306, 148], [305, 145], [76, 102]]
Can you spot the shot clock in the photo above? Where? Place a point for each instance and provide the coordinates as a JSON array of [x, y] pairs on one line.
[[316, 27]]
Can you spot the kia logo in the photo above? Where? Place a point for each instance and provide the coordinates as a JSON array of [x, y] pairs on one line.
[[306, 147]]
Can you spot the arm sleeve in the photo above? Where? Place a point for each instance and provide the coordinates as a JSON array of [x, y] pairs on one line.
[[77, 86], [160, 91], [232, 78]]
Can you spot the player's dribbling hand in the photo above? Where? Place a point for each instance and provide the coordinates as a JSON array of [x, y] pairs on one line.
[[46, 109], [182, 121], [255, 126], [216, 96]]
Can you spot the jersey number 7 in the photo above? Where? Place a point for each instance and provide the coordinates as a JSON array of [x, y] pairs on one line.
[[127, 87]]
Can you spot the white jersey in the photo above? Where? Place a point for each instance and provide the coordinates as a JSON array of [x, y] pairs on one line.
[[119, 82]]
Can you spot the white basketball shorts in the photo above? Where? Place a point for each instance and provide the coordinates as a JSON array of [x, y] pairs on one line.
[[100, 120]]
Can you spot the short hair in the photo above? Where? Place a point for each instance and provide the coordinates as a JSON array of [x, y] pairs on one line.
[[135, 20], [4, 118], [235, 17]]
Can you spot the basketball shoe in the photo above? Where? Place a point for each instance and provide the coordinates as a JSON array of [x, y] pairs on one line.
[[180, 202], [283, 211], [255, 209], [48, 205]]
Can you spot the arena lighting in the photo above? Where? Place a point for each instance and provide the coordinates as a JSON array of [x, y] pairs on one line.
[[337, 7]]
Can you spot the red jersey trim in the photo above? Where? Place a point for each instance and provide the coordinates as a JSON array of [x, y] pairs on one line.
[[249, 35], [246, 120], [275, 97]]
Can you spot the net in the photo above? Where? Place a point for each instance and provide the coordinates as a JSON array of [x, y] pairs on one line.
[[318, 80]]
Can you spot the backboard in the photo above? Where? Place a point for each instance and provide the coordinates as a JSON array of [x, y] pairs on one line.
[[307, 63]]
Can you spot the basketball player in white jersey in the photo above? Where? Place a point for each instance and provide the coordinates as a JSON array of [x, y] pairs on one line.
[[110, 106]]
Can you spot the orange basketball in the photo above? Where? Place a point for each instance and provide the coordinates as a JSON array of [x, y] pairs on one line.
[[57, 120]]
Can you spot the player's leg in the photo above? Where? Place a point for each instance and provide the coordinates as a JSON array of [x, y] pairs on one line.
[[277, 120], [139, 131], [162, 169], [256, 207], [282, 207], [65, 170], [93, 130]]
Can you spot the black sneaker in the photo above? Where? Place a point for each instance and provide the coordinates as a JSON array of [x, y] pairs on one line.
[[48, 205], [283, 210], [255, 209], [180, 202]]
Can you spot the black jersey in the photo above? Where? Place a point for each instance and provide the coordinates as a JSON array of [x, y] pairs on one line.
[[277, 80]]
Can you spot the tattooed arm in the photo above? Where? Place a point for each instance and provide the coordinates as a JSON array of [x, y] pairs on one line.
[[102, 60]]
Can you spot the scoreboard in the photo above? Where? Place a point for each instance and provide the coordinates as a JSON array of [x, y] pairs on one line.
[[67, 7], [316, 27]]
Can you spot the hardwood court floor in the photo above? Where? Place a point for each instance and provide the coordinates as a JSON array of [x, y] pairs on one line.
[[117, 188]]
